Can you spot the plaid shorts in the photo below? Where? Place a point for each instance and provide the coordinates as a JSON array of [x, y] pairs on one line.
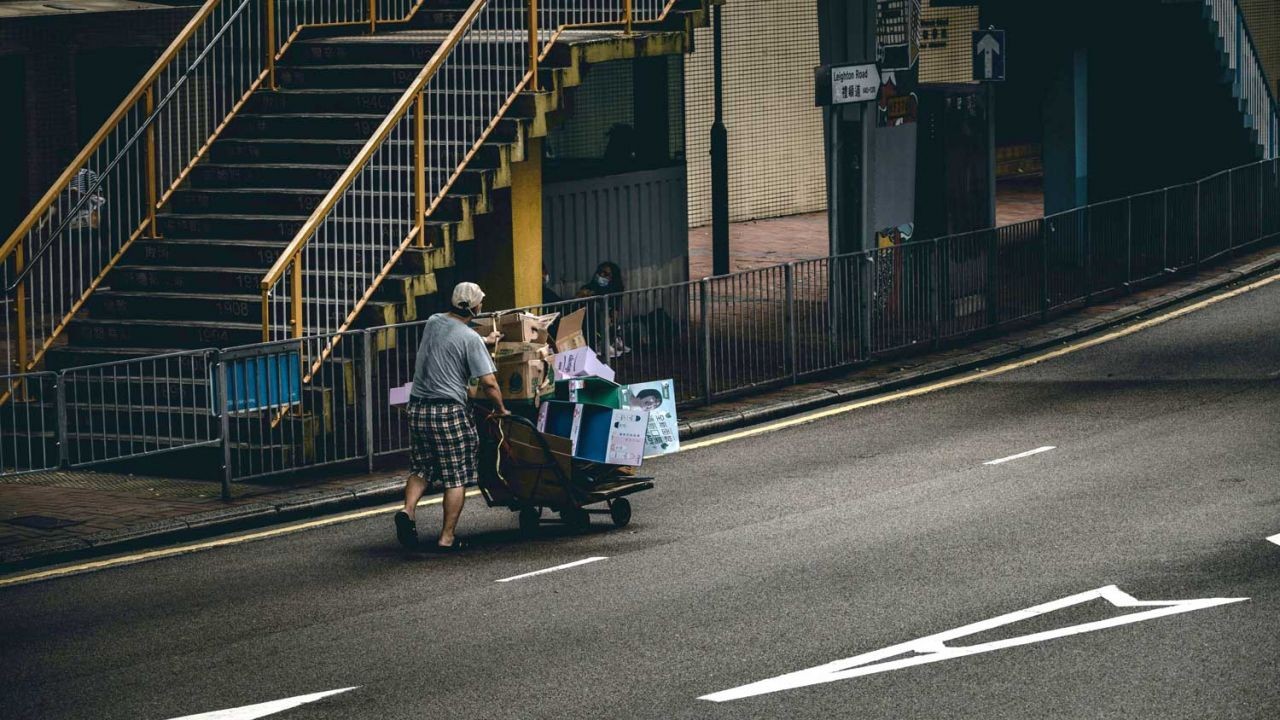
[[443, 443]]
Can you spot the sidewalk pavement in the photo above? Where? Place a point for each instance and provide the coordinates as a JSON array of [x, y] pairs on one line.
[[52, 517]]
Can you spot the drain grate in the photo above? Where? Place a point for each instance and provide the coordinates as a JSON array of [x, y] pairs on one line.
[[42, 522]]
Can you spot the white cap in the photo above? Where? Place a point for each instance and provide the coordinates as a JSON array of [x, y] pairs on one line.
[[467, 296]]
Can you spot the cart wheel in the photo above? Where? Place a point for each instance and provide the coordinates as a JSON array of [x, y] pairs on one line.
[[620, 511], [529, 518], [576, 518]]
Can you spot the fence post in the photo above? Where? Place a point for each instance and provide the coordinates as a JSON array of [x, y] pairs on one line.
[[60, 400], [1164, 233], [1128, 243], [367, 384], [607, 331], [1044, 269], [1088, 254], [790, 349], [935, 294], [224, 424], [993, 295], [1198, 184], [864, 285], [1231, 212], [705, 302]]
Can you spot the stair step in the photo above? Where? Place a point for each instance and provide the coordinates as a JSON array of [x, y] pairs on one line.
[[325, 100], [65, 357], [175, 333], [335, 126], [198, 252], [147, 306], [287, 201], [264, 175], [347, 76], [189, 279], [325, 152], [397, 48]]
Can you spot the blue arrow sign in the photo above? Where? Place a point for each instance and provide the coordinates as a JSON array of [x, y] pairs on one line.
[[988, 55]]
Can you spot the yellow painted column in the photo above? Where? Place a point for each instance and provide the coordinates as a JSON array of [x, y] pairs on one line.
[[526, 226]]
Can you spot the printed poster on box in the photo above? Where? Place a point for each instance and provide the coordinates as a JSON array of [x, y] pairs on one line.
[[659, 398]]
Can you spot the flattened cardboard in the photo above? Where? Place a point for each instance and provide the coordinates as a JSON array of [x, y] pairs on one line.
[[590, 390], [581, 362], [659, 398], [556, 418], [612, 437], [569, 334]]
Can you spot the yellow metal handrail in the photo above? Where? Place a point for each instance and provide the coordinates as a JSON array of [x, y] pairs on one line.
[[144, 157], [291, 261]]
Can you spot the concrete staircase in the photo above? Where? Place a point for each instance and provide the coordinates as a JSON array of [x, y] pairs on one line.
[[197, 286]]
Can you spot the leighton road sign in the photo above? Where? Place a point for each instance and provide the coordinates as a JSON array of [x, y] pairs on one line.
[[840, 84]]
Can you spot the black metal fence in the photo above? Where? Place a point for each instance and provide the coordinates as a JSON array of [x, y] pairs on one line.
[[272, 409]]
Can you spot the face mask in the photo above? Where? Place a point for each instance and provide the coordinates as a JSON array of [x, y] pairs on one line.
[[602, 281], [546, 279]]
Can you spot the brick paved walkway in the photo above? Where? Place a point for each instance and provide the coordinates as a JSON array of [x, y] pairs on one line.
[[761, 243]]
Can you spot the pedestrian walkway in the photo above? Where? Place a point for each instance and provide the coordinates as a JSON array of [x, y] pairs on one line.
[[774, 241], [49, 517]]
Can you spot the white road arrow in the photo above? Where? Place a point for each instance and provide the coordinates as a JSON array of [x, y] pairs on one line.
[[934, 648], [249, 712], [988, 48]]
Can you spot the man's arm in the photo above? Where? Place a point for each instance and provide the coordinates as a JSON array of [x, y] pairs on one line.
[[491, 392]]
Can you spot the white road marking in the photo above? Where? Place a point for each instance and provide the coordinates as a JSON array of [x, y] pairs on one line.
[[553, 569], [249, 712], [933, 648], [1275, 539], [1021, 455]]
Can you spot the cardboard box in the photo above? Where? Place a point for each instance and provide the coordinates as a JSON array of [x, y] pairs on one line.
[[569, 334], [524, 377], [556, 418], [508, 349], [526, 328], [612, 437], [659, 399], [592, 391], [581, 362], [485, 327]]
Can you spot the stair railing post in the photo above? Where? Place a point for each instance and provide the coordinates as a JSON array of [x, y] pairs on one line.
[[533, 45], [373, 16], [271, 45], [367, 389], [152, 202], [626, 14], [295, 292], [420, 167], [224, 422], [21, 305]]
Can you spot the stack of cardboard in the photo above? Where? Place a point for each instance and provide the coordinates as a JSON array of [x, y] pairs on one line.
[[523, 350]]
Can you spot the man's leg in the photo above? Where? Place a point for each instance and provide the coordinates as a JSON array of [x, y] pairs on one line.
[[414, 487], [454, 498]]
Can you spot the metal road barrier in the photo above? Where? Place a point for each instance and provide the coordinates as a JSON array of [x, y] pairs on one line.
[[270, 409]]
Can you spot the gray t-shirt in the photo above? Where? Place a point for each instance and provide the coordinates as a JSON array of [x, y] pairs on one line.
[[449, 356]]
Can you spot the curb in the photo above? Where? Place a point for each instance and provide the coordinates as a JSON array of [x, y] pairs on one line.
[[292, 507], [925, 371], [200, 525]]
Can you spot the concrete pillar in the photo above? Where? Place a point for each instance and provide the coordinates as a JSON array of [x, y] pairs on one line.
[[1066, 135], [508, 247]]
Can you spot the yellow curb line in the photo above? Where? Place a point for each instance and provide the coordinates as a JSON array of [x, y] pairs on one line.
[[209, 544], [751, 432]]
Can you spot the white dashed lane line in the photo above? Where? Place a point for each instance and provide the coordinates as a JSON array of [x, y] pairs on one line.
[[566, 566], [1021, 455]]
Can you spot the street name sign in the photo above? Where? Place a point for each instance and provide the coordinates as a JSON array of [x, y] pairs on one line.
[[989, 55], [842, 84]]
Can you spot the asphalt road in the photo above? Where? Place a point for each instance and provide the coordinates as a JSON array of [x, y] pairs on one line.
[[761, 557]]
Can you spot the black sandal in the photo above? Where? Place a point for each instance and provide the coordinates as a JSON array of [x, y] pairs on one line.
[[406, 530], [458, 546]]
